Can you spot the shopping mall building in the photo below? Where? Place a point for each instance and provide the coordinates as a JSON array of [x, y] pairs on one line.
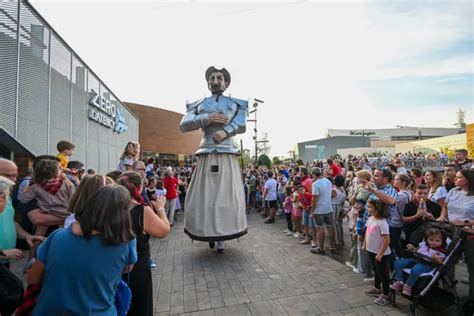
[[48, 93]]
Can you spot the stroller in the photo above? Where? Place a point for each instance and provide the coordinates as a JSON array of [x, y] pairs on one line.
[[434, 290]]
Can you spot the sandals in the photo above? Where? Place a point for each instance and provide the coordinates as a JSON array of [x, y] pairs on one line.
[[318, 251]]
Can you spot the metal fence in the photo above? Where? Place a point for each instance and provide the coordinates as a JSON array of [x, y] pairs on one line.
[[45, 89]]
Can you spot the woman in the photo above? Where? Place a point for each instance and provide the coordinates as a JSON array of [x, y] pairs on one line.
[[459, 210], [145, 223], [437, 192], [81, 266], [338, 196], [402, 183]]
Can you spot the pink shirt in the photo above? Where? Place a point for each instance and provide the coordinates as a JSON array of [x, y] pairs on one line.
[[376, 228], [288, 205]]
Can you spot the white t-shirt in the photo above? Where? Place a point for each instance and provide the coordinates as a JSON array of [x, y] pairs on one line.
[[376, 228], [271, 186], [323, 189], [460, 205], [402, 170], [439, 194]]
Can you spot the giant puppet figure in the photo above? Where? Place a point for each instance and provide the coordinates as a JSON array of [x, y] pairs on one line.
[[215, 200]]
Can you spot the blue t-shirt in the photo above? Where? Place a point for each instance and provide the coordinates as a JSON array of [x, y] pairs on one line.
[[323, 189], [81, 276]]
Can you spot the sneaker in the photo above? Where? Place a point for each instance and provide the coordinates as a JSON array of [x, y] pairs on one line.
[[373, 292], [350, 265], [369, 280], [396, 286], [296, 235], [355, 270], [285, 231], [289, 233], [301, 236], [269, 221], [465, 280], [304, 242], [152, 264], [406, 290], [382, 300]]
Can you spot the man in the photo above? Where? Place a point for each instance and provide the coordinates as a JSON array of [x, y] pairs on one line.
[[9, 229], [215, 202], [449, 176], [413, 216], [400, 168], [270, 197], [461, 159], [333, 169], [321, 210], [253, 189], [386, 193], [8, 169]]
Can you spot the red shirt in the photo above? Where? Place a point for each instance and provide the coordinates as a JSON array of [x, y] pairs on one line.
[[305, 200], [308, 184], [336, 170], [169, 183]]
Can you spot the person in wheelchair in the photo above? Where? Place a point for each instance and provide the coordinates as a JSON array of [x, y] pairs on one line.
[[434, 247]]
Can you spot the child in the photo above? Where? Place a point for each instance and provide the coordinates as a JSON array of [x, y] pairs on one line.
[[151, 188], [305, 201], [288, 207], [160, 191], [296, 211], [376, 242], [129, 156], [52, 192], [434, 246], [65, 149]]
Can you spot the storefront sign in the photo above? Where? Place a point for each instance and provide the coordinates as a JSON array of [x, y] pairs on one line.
[[361, 133], [106, 113]]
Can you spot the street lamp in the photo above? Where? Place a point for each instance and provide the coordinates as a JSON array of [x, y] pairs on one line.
[[255, 138]]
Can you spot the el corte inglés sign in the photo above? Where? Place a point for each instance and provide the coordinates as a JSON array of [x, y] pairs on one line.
[[107, 114]]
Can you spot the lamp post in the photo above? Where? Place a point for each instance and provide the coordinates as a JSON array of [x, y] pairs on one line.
[[255, 107]]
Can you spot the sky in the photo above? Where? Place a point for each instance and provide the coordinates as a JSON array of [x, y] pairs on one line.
[[317, 65]]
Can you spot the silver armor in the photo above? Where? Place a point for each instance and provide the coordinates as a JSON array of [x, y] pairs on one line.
[[197, 116]]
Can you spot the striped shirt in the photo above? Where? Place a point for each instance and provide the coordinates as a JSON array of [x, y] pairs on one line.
[[460, 205], [394, 218]]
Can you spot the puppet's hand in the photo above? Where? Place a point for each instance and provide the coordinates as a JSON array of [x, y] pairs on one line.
[[219, 136]]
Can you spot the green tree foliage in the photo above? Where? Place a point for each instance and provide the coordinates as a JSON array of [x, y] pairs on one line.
[[276, 160], [263, 160]]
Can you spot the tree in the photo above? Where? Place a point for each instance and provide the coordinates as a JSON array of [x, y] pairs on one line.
[[460, 117], [263, 160], [276, 160], [246, 158]]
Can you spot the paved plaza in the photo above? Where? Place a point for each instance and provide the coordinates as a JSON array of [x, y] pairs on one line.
[[265, 273]]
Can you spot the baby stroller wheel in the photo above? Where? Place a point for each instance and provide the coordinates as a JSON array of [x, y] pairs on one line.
[[413, 310], [465, 306], [393, 297]]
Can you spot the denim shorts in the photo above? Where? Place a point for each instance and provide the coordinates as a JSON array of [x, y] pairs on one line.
[[322, 220], [307, 220]]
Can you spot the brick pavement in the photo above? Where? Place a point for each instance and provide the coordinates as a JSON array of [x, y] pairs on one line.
[[265, 273]]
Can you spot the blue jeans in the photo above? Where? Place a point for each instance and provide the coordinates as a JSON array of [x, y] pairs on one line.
[[416, 270]]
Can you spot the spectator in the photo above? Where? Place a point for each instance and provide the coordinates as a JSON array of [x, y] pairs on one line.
[[150, 166], [10, 229], [400, 167], [145, 223], [297, 212], [377, 241], [304, 198], [252, 190], [130, 155], [333, 169], [65, 149], [52, 192], [401, 182], [437, 192], [114, 175], [417, 175], [76, 171], [80, 267], [449, 176], [322, 210], [8, 169], [170, 184], [338, 196], [413, 216], [288, 207], [91, 172], [461, 159], [270, 197]]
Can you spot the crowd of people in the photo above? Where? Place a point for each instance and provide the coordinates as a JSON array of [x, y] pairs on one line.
[[383, 206], [88, 234]]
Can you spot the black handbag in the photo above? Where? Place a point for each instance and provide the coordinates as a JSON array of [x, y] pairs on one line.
[[11, 291]]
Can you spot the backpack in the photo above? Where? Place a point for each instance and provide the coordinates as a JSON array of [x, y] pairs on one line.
[[11, 291]]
